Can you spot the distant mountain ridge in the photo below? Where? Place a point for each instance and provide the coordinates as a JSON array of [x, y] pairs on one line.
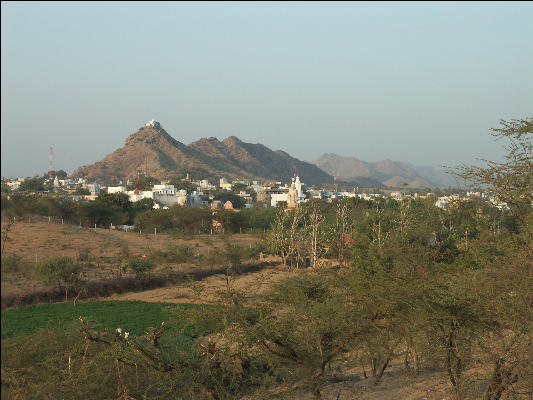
[[387, 172], [152, 151]]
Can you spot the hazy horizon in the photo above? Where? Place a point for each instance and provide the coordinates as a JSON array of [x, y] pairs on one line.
[[417, 83]]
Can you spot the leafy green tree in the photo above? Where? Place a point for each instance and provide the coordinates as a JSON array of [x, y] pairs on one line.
[[234, 254], [5, 188], [507, 282], [58, 271], [232, 221], [237, 187], [99, 213], [146, 204], [82, 191], [120, 200], [142, 267], [35, 184], [511, 182], [60, 174]]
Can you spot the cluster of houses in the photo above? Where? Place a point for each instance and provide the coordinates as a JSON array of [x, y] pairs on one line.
[[166, 195]]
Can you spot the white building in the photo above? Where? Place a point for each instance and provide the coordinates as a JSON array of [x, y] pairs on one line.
[[277, 195], [14, 185], [181, 195], [442, 202], [204, 184], [94, 188], [299, 185], [116, 189], [164, 189], [153, 124], [65, 182], [141, 195], [246, 197], [194, 199], [224, 184]]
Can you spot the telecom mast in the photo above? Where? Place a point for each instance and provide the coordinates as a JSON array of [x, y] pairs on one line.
[[51, 163]]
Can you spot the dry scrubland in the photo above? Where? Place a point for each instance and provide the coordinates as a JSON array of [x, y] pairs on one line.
[[36, 239]]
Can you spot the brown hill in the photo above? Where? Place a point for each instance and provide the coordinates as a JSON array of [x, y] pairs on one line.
[[387, 172], [153, 152]]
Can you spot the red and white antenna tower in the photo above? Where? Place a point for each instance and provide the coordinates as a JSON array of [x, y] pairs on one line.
[[51, 162]]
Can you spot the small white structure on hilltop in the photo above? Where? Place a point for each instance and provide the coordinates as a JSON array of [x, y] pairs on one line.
[[153, 123]]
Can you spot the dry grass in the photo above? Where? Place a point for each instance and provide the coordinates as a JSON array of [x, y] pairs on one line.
[[33, 241]]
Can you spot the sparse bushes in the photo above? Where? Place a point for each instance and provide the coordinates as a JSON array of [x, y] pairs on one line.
[[213, 258], [84, 254], [173, 254], [183, 254], [14, 263], [235, 254]]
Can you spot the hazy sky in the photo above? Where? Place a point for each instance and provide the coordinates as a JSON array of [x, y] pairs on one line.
[[421, 83]]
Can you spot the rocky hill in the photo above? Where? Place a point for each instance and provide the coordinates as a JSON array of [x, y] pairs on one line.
[[387, 172], [153, 152]]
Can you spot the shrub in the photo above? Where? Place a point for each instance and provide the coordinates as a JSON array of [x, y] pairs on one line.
[[58, 271], [142, 268], [183, 254], [234, 254], [84, 254], [11, 263], [214, 257]]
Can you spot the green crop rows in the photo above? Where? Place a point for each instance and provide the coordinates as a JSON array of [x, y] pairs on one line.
[[131, 316]]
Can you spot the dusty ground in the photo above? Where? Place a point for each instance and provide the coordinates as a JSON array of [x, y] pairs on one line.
[[210, 289]]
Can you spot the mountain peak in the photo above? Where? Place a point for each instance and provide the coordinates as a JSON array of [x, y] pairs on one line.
[[232, 140], [147, 132], [154, 152]]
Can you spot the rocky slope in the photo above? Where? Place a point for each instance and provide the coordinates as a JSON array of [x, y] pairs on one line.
[[153, 152]]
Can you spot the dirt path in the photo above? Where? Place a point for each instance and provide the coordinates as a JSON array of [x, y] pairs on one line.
[[210, 289]]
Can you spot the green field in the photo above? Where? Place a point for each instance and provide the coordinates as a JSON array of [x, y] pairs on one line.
[[43, 349], [131, 316]]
